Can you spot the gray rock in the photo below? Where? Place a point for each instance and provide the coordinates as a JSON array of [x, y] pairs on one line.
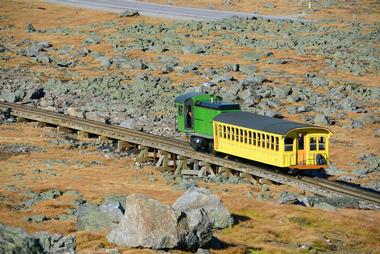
[[92, 40], [57, 244], [37, 197], [282, 92], [15, 240], [337, 202], [121, 199], [195, 198], [199, 228], [287, 198], [91, 218], [248, 69], [30, 28], [270, 113], [232, 67], [264, 195], [9, 97], [321, 119], [129, 13], [113, 209], [34, 94], [102, 117], [73, 111], [105, 62], [37, 218], [64, 62], [128, 123], [333, 170], [222, 78], [149, 224], [355, 124], [43, 58]]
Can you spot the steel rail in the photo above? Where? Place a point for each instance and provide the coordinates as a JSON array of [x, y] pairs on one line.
[[317, 186]]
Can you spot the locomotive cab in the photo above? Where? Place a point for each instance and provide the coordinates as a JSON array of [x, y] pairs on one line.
[[195, 113]]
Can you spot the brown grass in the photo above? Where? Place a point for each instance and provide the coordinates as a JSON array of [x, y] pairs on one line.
[[263, 225], [365, 11], [267, 226]]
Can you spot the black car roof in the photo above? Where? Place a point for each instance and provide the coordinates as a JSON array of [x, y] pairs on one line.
[[261, 123], [219, 105], [184, 97]]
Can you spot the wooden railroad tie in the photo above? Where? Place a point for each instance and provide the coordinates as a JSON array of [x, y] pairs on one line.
[[63, 130]]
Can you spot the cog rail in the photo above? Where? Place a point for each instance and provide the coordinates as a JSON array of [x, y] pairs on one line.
[[176, 155]]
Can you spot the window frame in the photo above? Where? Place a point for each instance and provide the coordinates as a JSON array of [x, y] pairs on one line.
[[323, 142], [313, 145], [286, 145]]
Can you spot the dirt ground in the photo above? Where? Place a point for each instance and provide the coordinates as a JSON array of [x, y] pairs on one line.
[[264, 227]]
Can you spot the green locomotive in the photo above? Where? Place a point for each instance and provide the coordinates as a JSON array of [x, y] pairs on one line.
[[195, 114]]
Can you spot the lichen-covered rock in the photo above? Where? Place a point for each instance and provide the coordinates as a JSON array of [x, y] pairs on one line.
[[57, 244], [15, 240], [149, 224], [91, 218], [287, 198], [195, 198]]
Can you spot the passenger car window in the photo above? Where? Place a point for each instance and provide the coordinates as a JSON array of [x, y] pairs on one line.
[[272, 143], [277, 143], [313, 144], [288, 144], [321, 143]]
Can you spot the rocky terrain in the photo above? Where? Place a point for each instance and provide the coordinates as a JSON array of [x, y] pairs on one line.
[[126, 70]]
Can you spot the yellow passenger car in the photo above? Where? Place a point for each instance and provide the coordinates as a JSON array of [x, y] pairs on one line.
[[272, 141]]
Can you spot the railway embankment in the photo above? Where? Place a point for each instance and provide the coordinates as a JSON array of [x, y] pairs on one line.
[[127, 70]]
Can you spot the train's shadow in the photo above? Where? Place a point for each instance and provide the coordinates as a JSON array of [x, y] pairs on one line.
[[357, 186]]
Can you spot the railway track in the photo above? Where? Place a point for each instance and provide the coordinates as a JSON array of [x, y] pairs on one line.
[[180, 149]]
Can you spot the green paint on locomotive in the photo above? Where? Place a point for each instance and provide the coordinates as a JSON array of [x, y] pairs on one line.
[[196, 112]]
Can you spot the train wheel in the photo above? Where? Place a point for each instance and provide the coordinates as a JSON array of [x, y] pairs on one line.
[[211, 148], [293, 171]]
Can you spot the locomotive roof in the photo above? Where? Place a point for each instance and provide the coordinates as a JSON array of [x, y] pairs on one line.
[[220, 105], [261, 123], [184, 97]]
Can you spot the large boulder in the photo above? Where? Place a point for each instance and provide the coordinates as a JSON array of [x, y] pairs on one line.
[[196, 198], [149, 224]]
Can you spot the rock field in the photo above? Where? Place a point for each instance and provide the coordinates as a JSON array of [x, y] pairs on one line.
[[126, 70], [322, 72]]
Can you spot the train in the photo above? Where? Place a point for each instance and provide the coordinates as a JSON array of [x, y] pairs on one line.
[[216, 126]]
